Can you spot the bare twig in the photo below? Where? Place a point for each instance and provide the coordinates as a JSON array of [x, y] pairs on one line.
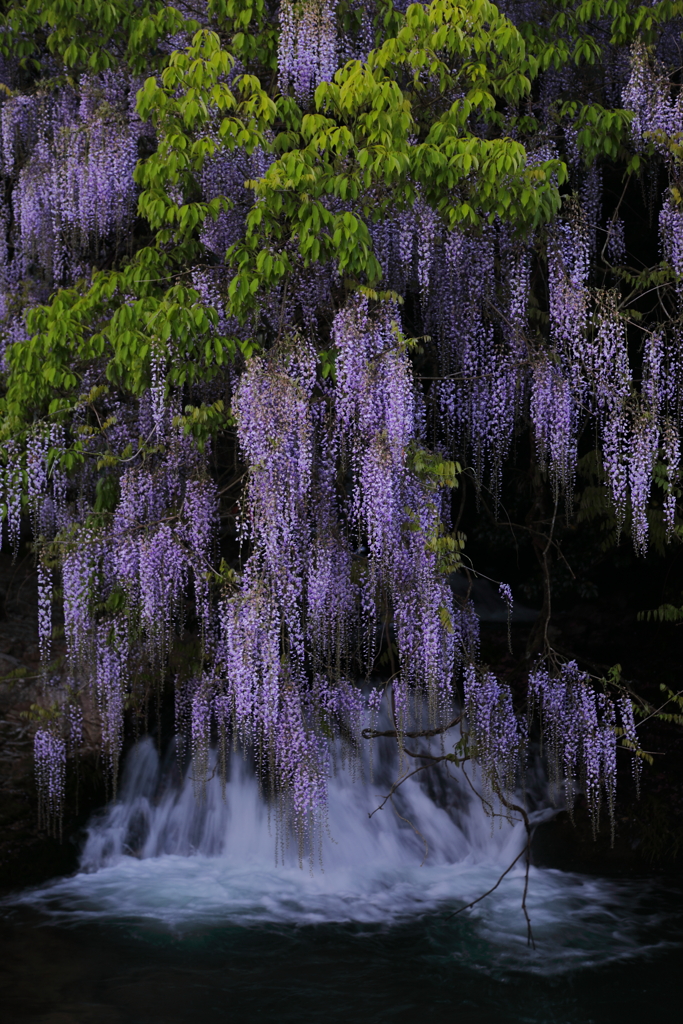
[[371, 734], [508, 804], [526, 851], [408, 775], [488, 892]]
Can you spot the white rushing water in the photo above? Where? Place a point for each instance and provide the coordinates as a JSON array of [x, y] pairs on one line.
[[159, 855]]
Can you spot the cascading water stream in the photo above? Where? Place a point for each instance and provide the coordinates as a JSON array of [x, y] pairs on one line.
[[158, 815], [158, 853]]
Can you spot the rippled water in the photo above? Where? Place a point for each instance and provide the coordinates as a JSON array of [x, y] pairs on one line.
[[180, 913]]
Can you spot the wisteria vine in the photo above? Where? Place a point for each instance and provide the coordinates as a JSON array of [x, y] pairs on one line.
[[285, 304]]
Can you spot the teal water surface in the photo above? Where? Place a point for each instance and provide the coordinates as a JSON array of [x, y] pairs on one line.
[[190, 912], [62, 968]]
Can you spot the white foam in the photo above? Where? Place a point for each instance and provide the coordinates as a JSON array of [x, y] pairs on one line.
[[156, 816]]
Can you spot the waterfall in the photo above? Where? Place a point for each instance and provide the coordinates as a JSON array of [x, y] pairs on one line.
[[433, 819], [159, 854]]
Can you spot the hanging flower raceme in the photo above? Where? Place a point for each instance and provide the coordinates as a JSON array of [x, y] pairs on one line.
[[426, 233], [602, 360], [630, 735], [422, 600], [375, 409], [106, 190], [275, 431], [374, 389], [568, 268], [331, 602], [479, 400], [654, 381], [12, 486], [466, 631], [225, 174], [79, 565], [111, 688], [49, 753], [37, 447], [199, 523], [47, 510], [591, 203], [200, 727], [18, 130], [396, 514], [302, 766], [332, 594], [73, 721], [615, 438], [554, 416], [163, 529], [516, 263], [498, 736], [393, 242], [341, 705], [251, 658], [671, 445], [307, 46], [76, 196], [44, 610], [265, 696], [579, 733], [142, 501], [462, 295], [615, 249], [487, 403], [643, 454], [163, 568], [671, 235], [648, 95]]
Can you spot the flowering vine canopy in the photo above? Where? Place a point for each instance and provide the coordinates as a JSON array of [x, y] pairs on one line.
[[273, 277]]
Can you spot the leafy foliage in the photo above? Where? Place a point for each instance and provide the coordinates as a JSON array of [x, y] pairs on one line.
[[364, 251]]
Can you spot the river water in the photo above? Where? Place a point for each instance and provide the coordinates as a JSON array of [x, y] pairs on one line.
[[188, 910]]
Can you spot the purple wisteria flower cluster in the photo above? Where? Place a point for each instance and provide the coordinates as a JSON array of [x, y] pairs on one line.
[[72, 156], [49, 753], [498, 734], [307, 45], [580, 735], [255, 495]]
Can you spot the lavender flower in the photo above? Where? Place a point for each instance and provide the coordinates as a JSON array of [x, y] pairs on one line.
[[306, 46], [579, 734], [111, 686], [49, 752], [630, 734], [553, 414], [201, 736], [44, 610], [498, 737], [644, 448], [12, 480]]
